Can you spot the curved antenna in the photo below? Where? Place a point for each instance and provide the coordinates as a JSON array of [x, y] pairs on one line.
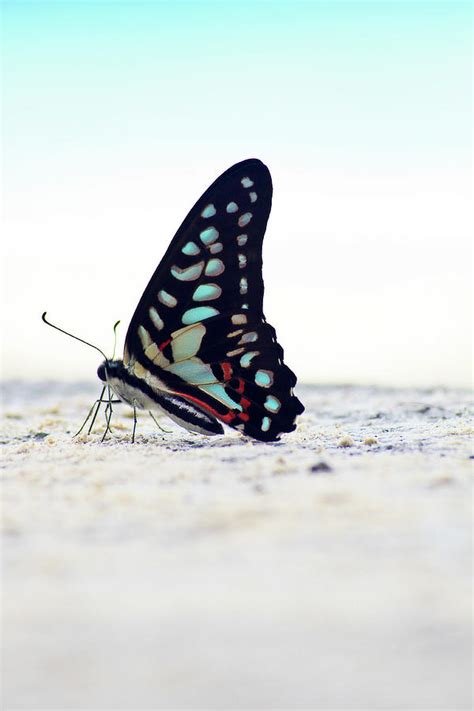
[[115, 338], [43, 317]]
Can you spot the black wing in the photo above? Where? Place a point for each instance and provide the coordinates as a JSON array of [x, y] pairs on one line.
[[199, 329]]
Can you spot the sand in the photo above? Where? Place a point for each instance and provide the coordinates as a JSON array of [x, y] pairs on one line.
[[331, 570]]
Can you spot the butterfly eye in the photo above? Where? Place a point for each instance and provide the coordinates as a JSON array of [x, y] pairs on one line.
[[102, 372]]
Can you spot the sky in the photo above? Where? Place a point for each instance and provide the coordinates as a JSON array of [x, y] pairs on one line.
[[117, 115]]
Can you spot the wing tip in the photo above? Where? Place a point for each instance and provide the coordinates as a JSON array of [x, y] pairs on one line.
[[248, 163]]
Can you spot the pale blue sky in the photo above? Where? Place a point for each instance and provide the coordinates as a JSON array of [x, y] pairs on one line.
[[117, 115]]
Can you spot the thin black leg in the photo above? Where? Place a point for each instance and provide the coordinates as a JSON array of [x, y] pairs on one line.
[[157, 423], [96, 402], [108, 414], [134, 422]]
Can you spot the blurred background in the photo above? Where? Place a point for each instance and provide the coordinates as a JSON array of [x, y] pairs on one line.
[[117, 116]]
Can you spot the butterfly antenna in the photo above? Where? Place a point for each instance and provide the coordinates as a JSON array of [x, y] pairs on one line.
[[115, 338], [43, 317]]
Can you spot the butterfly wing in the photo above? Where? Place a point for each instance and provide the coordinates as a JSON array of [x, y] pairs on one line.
[[199, 328]]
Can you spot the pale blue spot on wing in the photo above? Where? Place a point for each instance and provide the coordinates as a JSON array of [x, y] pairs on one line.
[[265, 424], [186, 342], [242, 261], [209, 211], [209, 235], [272, 404], [241, 240], [199, 313], [190, 249], [249, 337], [246, 182], [189, 273], [217, 391], [214, 267], [232, 207], [253, 197], [245, 219], [247, 358], [193, 371], [263, 378], [207, 292]]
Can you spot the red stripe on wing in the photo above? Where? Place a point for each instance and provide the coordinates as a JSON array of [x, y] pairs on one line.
[[226, 370], [163, 345], [227, 418]]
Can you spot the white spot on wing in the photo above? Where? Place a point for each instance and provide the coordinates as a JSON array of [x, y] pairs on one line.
[[145, 337], [155, 318], [167, 299], [249, 337]]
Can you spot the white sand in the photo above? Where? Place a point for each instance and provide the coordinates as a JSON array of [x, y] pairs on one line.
[[185, 572]]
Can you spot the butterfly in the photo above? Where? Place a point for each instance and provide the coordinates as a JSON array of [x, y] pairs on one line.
[[198, 346]]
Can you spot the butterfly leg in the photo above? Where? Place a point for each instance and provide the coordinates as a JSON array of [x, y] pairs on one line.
[[157, 423], [96, 402], [108, 413], [99, 401], [134, 421]]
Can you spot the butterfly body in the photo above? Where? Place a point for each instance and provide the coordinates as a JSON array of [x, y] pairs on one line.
[[198, 346], [154, 396]]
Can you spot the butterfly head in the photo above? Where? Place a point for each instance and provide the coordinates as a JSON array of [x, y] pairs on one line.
[[102, 371], [109, 369]]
